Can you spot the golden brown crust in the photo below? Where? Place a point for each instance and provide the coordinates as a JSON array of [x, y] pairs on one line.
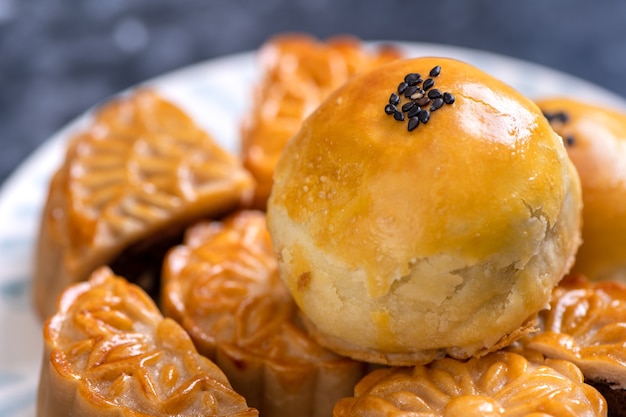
[[595, 138], [108, 351], [411, 242], [298, 73], [500, 383], [411, 358], [586, 324], [222, 286], [140, 167]]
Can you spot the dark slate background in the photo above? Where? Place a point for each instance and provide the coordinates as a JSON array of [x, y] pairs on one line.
[[59, 57]]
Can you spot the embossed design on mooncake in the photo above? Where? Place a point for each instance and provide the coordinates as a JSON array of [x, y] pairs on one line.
[[142, 167], [223, 287], [109, 350], [586, 324], [499, 384]]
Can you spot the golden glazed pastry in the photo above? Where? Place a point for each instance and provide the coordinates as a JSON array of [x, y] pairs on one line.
[[404, 235], [298, 73], [595, 138], [222, 286], [586, 324], [499, 384], [140, 171], [109, 352]]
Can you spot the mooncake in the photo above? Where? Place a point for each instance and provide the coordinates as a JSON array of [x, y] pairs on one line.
[[132, 179], [222, 286], [108, 351], [586, 324], [498, 384]]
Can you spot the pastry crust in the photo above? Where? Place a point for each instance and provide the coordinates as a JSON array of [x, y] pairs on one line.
[[586, 324], [109, 352], [298, 73], [142, 169], [595, 138], [403, 359], [501, 383], [222, 286], [444, 239]]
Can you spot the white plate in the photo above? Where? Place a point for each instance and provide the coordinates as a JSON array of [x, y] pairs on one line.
[[217, 93]]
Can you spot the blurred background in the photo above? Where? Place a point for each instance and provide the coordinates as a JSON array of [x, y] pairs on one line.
[[60, 57]]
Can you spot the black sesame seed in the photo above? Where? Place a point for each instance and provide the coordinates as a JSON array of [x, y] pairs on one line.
[[414, 111], [402, 87], [418, 94], [412, 78], [428, 84], [448, 98], [570, 141], [435, 71], [423, 101], [434, 93], [398, 116], [390, 109], [436, 104], [411, 90], [394, 99], [413, 122], [561, 117], [408, 106], [423, 116]]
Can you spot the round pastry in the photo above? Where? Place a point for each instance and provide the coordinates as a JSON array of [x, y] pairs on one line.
[[499, 384], [414, 216], [221, 284], [108, 351], [586, 324], [595, 139]]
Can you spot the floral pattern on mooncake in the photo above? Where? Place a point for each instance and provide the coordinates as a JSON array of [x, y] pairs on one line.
[[586, 324], [222, 286], [108, 351], [498, 384], [140, 168]]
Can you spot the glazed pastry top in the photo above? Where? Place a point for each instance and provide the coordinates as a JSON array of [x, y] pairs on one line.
[[499, 384], [110, 344], [586, 324], [298, 73]]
